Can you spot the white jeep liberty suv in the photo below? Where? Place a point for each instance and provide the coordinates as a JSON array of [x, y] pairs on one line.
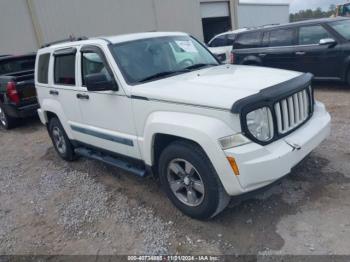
[[161, 103]]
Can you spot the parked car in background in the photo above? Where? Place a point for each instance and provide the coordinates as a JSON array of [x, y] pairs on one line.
[[221, 45], [321, 47], [161, 103], [17, 89]]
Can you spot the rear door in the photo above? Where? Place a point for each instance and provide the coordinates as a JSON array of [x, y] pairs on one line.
[[320, 60], [280, 49], [64, 88]]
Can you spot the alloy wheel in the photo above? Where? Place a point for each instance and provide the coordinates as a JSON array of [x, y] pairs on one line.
[[3, 120], [59, 140], [185, 182]]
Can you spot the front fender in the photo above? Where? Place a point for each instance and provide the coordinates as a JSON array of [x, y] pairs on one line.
[[203, 130]]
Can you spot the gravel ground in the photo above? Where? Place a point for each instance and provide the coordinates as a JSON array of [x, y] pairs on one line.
[[48, 206]]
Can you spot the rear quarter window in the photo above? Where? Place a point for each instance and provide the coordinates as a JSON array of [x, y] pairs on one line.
[[43, 68]]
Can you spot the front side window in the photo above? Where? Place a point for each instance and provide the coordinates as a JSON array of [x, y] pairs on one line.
[[281, 37], [342, 27], [219, 41], [155, 58], [248, 40], [310, 35], [93, 64], [43, 68], [65, 69]]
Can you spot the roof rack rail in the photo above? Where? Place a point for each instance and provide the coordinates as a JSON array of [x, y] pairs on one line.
[[70, 39]]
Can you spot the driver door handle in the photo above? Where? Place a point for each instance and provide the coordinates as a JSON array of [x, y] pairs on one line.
[[83, 96], [262, 55], [300, 53]]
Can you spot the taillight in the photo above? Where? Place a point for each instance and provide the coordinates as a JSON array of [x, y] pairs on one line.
[[12, 92], [232, 58]]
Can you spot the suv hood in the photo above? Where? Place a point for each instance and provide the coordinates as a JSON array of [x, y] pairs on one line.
[[216, 87]]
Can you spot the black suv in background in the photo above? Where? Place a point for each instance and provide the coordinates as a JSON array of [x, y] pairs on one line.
[[321, 47], [17, 90]]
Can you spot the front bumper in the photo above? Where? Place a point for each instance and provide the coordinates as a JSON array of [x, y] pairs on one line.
[[21, 111], [262, 165]]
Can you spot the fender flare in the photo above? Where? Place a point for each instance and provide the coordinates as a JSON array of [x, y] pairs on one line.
[[56, 108]]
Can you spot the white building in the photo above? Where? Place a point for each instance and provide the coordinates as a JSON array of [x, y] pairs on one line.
[[25, 25]]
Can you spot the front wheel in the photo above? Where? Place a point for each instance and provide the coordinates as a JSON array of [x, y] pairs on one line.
[[190, 181]]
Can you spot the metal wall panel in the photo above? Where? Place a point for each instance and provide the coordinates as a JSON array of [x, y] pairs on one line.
[[251, 15], [16, 28]]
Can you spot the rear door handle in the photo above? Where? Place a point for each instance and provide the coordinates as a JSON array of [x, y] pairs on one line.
[[300, 53], [83, 96], [54, 93], [262, 55]]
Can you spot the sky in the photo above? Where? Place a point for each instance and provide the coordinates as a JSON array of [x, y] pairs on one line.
[[296, 5]]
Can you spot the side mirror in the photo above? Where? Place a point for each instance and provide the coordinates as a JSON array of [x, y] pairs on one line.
[[328, 41], [99, 82]]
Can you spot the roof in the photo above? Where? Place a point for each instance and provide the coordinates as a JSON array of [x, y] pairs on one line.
[[114, 39], [306, 22]]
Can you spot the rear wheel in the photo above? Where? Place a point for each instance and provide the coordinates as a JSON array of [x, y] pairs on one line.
[[6, 121], [60, 140], [348, 77], [190, 181]]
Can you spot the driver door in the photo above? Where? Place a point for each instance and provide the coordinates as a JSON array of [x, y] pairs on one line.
[[107, 116]]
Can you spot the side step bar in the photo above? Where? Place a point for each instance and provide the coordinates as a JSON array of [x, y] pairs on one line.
[[113, 161]]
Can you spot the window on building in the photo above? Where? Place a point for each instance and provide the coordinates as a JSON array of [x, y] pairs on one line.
[[248, 40], [282, 37], [65, 69], [310, 35], [43, 68]]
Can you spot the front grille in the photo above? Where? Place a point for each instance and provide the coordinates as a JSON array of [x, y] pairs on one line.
[[293, 111]]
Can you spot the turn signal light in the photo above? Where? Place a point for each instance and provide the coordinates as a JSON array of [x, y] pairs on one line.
[[233, 165]]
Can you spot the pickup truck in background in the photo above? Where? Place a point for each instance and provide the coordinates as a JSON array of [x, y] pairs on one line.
[[17, 89]]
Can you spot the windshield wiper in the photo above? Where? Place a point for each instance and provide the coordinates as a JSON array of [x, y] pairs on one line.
[[198, 66], [163, 74]]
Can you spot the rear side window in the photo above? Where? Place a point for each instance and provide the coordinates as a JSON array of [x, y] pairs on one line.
[[219, 41], [65, 69], [282, 37], [248, 40], [310, 35], [43, 69]]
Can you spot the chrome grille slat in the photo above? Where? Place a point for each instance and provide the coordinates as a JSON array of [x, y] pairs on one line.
[[292, 111]]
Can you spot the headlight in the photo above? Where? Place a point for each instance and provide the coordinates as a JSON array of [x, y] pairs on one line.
[[260, 124], [233, 141]]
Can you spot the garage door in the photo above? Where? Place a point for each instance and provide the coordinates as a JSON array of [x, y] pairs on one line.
[[218, 9], [215, 18]]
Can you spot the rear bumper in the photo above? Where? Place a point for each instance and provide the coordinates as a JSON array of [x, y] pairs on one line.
[[262, 165], [21, 111]]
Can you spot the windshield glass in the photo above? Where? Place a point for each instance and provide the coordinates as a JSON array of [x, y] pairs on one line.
[[342, 27], [154, 58]]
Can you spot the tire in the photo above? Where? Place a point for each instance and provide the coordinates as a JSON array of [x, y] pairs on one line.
[[6, 121], [177, 183], [60, 140]]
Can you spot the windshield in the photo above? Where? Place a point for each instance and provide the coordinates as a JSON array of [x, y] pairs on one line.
[[342, 27], [154, 58]]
